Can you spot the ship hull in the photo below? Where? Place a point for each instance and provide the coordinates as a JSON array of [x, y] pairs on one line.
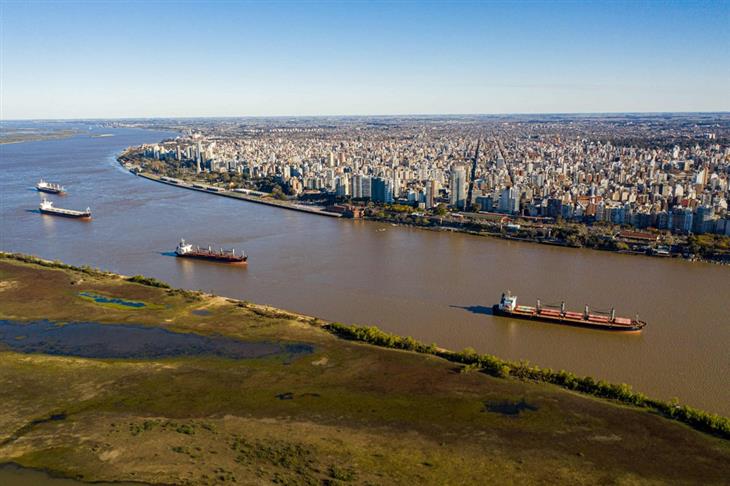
[[49, 190], [215, 258], [634, 326], [66, 215]]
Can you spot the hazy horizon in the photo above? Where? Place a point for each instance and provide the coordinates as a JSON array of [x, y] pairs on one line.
[[370, 115]]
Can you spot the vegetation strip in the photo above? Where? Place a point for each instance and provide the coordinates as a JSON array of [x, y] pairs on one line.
[[140, 279], [706, 422]]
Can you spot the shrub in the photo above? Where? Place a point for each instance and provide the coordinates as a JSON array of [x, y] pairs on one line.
[[54, 264], [149, 281]]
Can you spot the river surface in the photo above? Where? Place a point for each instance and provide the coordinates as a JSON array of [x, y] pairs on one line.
[[436, 287]]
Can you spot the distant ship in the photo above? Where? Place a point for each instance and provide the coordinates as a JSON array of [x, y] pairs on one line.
[[607, 321], [47, 208], [187, 250], [50, 187]]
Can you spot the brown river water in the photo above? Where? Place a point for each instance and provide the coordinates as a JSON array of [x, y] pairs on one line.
[[436, 287]]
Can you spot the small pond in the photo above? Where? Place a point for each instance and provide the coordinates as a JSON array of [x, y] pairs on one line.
[[103, 299], [93, 340]]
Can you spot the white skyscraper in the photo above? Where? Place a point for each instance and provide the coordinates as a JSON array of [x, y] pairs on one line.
[[198, 155], [509, 201]]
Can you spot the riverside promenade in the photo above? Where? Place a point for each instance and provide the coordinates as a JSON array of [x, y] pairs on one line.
[[249, 196]]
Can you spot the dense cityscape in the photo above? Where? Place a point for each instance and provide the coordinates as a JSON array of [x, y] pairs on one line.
[[668, 174]]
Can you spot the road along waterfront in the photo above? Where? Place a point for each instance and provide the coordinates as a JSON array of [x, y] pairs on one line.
[[437, 287], [238, 195]]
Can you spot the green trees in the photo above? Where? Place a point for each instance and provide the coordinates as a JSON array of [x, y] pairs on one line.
[[375, 336], [278, 193], [708, 245], [398, 208], [149, 281], [574, 240]]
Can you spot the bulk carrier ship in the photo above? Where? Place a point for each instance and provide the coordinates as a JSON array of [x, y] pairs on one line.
[[187, 250], [46, 207], [558, 315], [50, 187]]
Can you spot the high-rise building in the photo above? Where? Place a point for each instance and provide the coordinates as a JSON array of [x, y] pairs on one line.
[[361, 186], [554, 207], [356, 186], [382, 190], [343, 186], [396, 185], [198, 156], [702, 221], [509, 201], [485, 203], [367, 187], [457, 187], [682, 220], [431, 193]]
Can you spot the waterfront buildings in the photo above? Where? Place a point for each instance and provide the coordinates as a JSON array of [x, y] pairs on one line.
[[668, 172]]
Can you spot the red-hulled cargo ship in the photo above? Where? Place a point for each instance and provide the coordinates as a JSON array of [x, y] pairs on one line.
[[187, 250], [558, 315]]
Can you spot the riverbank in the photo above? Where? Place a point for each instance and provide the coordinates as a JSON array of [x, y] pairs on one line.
[[614, 239], [469, 223], [347, 411], [509, 237], [210, 189]]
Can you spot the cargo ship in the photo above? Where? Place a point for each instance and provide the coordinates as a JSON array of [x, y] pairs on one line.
[[47, 208], [187, 250], [607, 321], [50, 187]]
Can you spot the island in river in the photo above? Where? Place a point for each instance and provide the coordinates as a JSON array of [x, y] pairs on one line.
[[134, 381], [21, 136]]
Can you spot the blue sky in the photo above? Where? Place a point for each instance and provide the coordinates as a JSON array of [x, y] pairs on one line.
[[225, 58]]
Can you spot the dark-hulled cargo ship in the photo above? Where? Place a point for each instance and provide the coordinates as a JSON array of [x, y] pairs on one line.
[[47, 207], [607, 321], [186, 250], [50, 187]]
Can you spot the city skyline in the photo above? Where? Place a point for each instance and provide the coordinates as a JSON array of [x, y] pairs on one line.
[[131, 60], [581, 169]]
